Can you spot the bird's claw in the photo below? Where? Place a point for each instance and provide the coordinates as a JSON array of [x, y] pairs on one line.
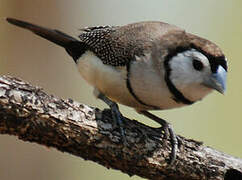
[[168, 131], [116, 115], [119, 119]]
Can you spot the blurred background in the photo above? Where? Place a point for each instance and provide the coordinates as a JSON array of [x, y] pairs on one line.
[[216, 121]]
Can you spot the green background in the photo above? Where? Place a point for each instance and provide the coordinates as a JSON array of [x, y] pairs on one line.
[[216, 120]]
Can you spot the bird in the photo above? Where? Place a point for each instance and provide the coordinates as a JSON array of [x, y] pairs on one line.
[[149, 65]]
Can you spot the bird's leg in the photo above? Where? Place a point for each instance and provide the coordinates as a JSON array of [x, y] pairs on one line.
[[167, 129], [116, 114]]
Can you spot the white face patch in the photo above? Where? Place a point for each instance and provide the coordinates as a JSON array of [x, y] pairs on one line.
[[187, 78]]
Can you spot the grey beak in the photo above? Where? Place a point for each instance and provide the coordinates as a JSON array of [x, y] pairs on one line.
[[217, 80]]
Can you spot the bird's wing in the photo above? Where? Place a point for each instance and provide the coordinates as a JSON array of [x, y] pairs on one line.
[[118, 45]]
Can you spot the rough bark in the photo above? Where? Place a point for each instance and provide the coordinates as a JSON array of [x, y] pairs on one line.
[[32, 115]]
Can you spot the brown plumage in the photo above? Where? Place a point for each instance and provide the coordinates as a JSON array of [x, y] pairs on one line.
[[119, 45]]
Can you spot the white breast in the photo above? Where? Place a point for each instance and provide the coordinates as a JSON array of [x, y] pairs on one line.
[[149, 84]]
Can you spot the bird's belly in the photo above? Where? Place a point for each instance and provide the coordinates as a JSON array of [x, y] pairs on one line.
[[111, 81]]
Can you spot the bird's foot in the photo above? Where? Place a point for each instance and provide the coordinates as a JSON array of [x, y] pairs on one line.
[[174, 141], [168, 131], [116, 115], [120, 121]]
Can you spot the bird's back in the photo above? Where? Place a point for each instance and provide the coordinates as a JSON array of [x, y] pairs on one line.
[[118, 45]]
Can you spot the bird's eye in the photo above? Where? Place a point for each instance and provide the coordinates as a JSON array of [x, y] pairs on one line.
[[198, 65]]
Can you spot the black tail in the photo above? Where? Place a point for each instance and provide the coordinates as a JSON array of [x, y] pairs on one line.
[[74, 47]]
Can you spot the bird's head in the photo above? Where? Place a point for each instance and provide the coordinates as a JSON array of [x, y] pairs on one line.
[[193, 66]]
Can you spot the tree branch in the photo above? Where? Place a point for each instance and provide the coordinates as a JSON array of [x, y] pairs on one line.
[[32, 115]]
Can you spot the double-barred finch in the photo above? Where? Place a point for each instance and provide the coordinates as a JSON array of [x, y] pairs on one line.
[[145, 65]]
